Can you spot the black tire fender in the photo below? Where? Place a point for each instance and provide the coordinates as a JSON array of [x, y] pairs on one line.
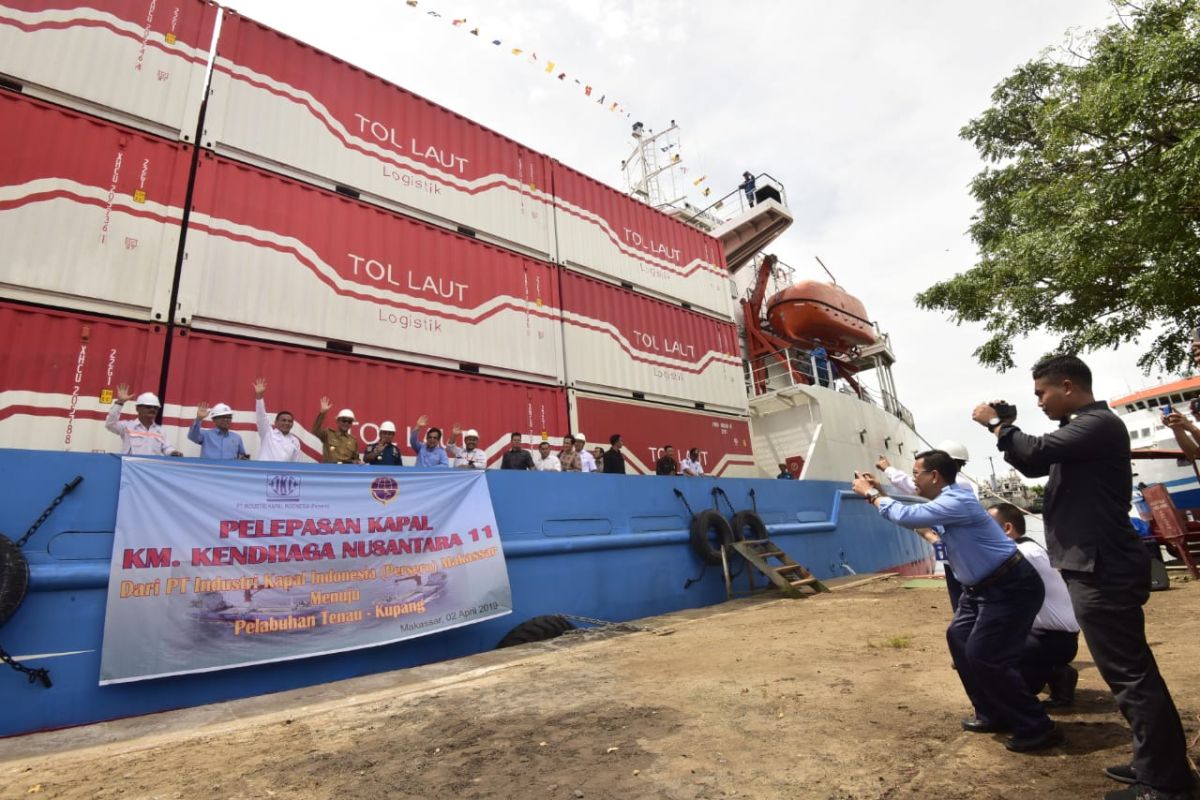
[[747, 522], [14, 577], [537, 629], [704, 524]]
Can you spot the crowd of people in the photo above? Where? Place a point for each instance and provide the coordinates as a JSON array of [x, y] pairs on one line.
[[1018, 608], [144, 436]]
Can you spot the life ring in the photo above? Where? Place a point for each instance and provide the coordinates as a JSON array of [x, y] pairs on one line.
[[14, 577], [537, 629], [744, 522], [704, 524]]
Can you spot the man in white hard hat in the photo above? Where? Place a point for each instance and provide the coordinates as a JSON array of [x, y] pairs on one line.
[[142, 436], [587, 461], [903, 482], [469, 456], [275, 442], [340, 446], [217, 441], [384, 452]]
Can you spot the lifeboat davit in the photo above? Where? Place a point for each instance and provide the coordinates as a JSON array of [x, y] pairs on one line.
[[814, 310]]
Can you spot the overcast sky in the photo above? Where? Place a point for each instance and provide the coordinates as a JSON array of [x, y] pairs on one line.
[[854, 106]]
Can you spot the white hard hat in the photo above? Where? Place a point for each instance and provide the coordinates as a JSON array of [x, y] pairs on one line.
[[470, 433], [386, 427], [345, 412], [954, 449], [579, 437], [148, 399], [220, 410]]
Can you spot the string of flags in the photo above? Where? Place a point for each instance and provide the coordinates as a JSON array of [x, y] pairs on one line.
[[550, 68]]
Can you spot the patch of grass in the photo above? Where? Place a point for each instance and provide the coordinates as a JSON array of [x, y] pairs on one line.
[[897, 642]]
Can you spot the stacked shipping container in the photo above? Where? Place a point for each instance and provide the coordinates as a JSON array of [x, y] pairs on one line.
[[272, 252]]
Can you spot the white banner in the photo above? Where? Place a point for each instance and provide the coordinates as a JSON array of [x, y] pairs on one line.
[[218, 566]]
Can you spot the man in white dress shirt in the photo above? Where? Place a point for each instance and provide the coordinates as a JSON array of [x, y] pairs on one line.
[[275, 442], [1054, 639], [691, 465], [546, 461]]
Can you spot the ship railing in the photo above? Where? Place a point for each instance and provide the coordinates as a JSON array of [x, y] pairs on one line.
[[737, 202], [785, 369]]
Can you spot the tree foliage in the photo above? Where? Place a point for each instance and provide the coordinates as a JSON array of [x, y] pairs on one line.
[[1089, 208]]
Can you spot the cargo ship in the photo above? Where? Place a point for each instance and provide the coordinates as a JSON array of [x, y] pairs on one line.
[[186, 210]]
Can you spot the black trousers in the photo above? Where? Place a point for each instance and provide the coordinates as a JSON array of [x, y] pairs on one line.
[[1045, 654], [986, 637], [1109, 610]]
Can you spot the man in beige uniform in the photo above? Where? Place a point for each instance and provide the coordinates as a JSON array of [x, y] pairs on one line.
[[340, 446]]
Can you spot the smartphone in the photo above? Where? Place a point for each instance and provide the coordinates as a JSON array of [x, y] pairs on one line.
[[1166, 410]]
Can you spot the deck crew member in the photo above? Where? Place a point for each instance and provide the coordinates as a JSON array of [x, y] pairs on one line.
[[748, 186], [691, 465], [275, 442], [1001, 596], [385, 452], [613, 459], [667, 465], [569, 456], [1054, 639], [517, 457], [587, 461], [1105, 565], [430, 452], [469, 456], [340, 446], [785, 474], [546, 461], [142, 436], [218, 441]]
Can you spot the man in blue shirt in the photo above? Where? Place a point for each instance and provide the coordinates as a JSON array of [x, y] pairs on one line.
[[218, 441], [430, 453], [822, 370], [785, 474], [1002, 594]]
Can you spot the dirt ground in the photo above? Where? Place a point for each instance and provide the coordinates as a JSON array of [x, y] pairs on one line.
[[846, 696]]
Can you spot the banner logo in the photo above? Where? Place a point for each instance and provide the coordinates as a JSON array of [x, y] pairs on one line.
[[385, 490], [283, 487]]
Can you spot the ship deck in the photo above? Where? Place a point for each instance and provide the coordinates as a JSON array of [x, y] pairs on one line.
[[849, 694]]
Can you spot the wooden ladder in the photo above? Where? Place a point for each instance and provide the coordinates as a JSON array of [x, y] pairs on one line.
[[792, 579]]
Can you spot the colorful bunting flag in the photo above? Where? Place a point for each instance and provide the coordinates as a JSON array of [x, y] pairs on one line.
[[699, 180], [549, 66], [517, 51], [458, 22]]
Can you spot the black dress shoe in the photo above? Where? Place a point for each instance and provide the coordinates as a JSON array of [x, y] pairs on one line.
[[1125, 773], [1141, 791], [983, 726], [1062, 688], [1026, 744]]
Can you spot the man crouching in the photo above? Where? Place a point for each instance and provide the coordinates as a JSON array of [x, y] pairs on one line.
[[1001, 596]]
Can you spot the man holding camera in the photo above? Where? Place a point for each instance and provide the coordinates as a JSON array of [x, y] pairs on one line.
[[1001, 596], [1106, 567]]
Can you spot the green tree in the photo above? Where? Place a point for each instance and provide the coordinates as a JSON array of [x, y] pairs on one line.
[[1089, 209]]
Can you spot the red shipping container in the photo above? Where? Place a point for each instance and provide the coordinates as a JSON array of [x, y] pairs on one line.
[[270, 257], [138, 62], [292, 108], [646, 428], [212, 369], [89, 211], [617, 340], [59, 373], [606, 232]]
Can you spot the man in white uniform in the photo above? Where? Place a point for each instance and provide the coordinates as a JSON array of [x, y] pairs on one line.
[[1054, 639], [546, 461], [587, 461], [142, 436], [275, 442]]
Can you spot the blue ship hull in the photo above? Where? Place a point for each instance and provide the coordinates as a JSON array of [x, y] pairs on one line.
[[609, 547]]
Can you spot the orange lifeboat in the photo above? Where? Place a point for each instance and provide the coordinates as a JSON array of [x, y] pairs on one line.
[[814, 310]]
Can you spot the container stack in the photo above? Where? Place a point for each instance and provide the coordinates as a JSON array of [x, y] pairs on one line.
[[334, 234]]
